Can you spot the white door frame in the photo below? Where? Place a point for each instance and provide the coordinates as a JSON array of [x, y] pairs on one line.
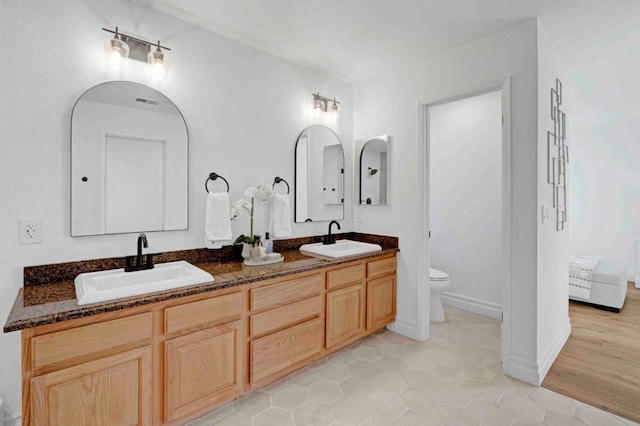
[[423, 185]]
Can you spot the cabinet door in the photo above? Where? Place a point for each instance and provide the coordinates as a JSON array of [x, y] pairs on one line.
[[381, 302], [345, 314], [115, 390], [203, 369]]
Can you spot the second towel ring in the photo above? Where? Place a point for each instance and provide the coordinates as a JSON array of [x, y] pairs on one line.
[[278, 179], [214, 176]]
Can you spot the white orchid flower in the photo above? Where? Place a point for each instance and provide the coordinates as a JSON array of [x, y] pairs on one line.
[[250, 191], [240, 207]]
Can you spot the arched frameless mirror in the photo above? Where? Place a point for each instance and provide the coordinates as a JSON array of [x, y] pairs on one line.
[[129, 161], [374, 172], [319, 176]]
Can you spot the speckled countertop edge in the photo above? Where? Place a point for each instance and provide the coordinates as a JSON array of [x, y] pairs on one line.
[[22, 317]]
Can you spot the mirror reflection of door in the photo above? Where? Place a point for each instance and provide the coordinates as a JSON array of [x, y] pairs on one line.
[[374, 172], [319, 177], [129, 161]]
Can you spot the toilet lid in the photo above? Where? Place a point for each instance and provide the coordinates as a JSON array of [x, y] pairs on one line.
[[437, 275]]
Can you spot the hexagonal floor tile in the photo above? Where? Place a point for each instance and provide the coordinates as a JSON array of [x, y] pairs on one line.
[[333, 373], [522, 408], [365, 369], [489, 413], [350, 410], [419, 379], [274, 416], [357, 387], [384, 404], [552, 401], [313, 414], [455, 416], [289, 397], [367, 353], [324, 392], [419, 400]]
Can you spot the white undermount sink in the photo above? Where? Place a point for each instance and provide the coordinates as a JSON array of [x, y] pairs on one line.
[[94, 287], [342, 248]]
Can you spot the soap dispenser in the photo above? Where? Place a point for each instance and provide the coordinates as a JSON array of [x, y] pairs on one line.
[[268, 244]]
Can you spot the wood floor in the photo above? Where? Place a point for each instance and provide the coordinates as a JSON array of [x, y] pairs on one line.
[[600, 364]]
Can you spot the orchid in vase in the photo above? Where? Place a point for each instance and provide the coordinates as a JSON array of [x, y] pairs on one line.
[[262, 192]]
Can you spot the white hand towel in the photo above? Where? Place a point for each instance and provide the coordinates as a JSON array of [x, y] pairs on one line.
[[217, 225], [281, 215]]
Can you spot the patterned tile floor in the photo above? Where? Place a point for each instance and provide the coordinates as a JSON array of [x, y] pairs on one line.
[[387, 379]]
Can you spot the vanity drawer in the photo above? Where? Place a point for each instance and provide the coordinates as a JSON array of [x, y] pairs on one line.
[[347, 275], [381, 267], [208, 311], [285, 292], [278, 352], [77, 342], [283, 316]]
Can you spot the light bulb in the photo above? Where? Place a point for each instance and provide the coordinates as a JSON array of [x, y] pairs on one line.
[[116, 50], [158, 64]]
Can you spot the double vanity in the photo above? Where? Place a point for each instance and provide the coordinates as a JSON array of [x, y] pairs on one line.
[[169, 356]]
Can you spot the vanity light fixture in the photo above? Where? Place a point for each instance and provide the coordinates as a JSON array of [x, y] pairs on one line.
[[320, 103], [123, 46]]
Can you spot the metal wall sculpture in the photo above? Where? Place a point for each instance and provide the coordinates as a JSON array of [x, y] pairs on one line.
[[558, 157]]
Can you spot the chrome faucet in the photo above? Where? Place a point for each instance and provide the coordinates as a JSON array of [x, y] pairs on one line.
[[140, 261], [330, 238]]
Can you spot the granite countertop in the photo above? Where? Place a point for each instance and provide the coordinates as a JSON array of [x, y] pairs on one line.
[[48, 302]]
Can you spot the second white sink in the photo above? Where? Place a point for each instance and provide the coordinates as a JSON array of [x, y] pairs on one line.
[[342, 248], [101, 286]]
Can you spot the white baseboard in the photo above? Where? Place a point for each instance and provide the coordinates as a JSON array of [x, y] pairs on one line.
[[631, 275], [481, 307], [405, 328], [550, 354], [533, 372], [521, 369]]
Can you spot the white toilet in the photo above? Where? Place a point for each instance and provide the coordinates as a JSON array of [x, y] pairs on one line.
[[438, 282]]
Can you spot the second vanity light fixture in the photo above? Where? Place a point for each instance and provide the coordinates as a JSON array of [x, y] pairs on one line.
[[123, 46], [320, 103]]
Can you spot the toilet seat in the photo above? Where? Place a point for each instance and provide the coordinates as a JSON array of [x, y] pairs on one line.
[[437, 275]]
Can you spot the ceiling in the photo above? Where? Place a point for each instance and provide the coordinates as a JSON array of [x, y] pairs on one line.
[[598, 39]]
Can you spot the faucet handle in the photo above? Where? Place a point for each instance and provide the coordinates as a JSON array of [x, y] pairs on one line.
[[148, 264], [128, 264]]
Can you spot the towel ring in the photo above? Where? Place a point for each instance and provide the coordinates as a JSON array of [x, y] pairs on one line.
[[278, 179], [214, 176]]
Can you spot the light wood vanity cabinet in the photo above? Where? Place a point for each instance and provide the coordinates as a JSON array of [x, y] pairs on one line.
[[169, 362]]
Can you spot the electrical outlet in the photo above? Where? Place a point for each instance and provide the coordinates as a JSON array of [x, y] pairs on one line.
[[30, 231]]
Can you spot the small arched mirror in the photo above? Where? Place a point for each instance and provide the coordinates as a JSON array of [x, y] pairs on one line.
[[129, 161], [319, 177], [374, 172]]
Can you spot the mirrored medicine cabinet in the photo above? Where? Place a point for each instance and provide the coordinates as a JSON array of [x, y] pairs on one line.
[[129, 161], [373, 179]]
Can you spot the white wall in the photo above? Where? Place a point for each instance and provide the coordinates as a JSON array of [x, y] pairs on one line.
[[466, 195], [388, 104], [553, 250], [244, 110]]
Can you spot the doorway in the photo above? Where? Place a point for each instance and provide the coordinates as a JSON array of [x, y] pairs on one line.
[[460, 167]]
